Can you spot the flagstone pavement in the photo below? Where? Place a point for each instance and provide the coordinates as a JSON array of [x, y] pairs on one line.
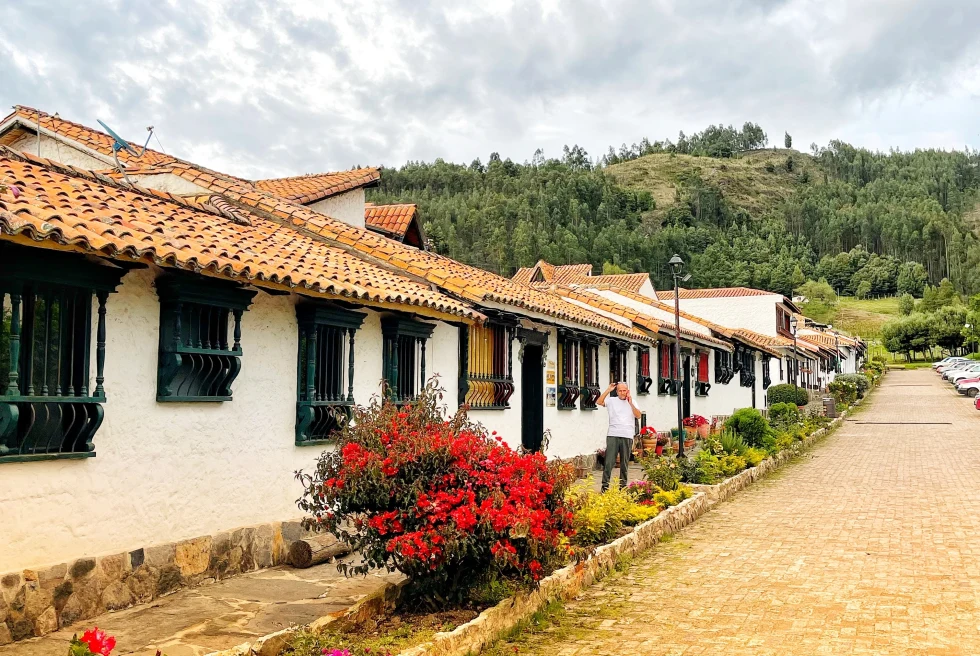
[[869, 545]]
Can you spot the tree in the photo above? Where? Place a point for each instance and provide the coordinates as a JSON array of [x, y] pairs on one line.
[[863, 289], [608, 268], [912, 278], [788, 140], [798, 278], [947, 328], [906, 304]]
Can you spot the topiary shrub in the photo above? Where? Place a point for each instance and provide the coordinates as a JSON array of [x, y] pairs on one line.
[[787, 393], [438, 500], [860, 381], [752, 427]]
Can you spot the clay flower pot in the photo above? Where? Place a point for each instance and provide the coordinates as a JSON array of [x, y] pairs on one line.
[[704, 430]]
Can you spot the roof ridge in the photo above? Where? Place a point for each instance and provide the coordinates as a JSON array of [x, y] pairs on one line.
[[318, 175]]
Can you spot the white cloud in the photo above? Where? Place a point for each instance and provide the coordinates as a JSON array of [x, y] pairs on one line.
[[261, 89]]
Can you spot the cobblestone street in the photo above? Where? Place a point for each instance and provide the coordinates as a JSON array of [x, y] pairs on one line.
[[869, 545]]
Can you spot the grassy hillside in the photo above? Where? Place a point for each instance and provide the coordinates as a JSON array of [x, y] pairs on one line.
[[744, 180], [857, 317]]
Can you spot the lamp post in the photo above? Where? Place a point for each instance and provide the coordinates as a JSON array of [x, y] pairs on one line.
[[796, 363], [676, 264]]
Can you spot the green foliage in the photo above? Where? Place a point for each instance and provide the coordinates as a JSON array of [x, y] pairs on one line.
[[731, 465], [863, 289], [787, 393], [787, 140], [672, 497], [912, 278], [662, 471], [733, 444], [752, 427], [844, 392], [947, 327], [754, 456], [601, 517], [861, 383], [906, 304], [783, 415]]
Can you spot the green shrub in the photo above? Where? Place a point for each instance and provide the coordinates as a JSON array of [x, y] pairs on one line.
[[672, 498], [754, 456], [662, 471], [752, 427], [598, 518], [733, 444], [702, 469], [783, 415], [731, 465], [861, 381], [844, 392], [787, 393], [784, 441]]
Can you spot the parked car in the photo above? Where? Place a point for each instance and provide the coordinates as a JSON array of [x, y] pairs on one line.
[[945, 362], [952, 364], [966, 372], [977, 403], [963, 366], [969, 387]]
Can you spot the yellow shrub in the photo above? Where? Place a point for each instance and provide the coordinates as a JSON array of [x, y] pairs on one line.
[[601, 517], [754, 456]]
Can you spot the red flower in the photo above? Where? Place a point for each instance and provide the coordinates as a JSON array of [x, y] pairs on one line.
[[98, 642]]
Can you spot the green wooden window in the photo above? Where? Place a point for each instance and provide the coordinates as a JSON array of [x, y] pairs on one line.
[[48, 407], [325, 371], [745, 365], [724, 370], [569, 362], [403, 356], [200, 337], [589, 391], [486, 365]]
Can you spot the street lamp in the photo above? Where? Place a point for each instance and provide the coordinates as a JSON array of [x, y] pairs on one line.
[[793, 321], [676, 264]]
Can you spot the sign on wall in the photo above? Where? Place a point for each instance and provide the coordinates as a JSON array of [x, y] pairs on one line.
[[550, 377], [550, 397]]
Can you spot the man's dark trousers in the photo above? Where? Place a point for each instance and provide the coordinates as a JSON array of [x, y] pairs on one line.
[[624, 447]]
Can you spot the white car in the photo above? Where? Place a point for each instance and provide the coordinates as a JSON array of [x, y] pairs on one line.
[[960, 374], [965, 366], [945, 362], [954, 364]]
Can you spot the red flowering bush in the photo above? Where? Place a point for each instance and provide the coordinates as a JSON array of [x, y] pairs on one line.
[[439, 500], [93, 642]]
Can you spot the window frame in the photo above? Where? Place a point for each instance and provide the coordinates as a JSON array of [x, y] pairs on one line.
[[397, 331], [702, 384], [643, 380], [213, 368], [486, 375], [589, 390], [670, 384], [33, 417], [569, 361], [321, 413]]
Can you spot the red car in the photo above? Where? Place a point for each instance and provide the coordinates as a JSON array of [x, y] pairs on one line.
[[978, 403]]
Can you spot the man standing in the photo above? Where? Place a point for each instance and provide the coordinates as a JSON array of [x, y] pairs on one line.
[[619, 437]]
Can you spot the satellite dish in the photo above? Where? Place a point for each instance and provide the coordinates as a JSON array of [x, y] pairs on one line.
[[122, 144]]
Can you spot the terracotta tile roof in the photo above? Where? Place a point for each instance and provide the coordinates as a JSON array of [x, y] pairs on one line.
[[306, 189], [644, 320], [716, 292], [87, 211], [762, 342], [92, 139], [390, 219], [455, 278], [571, 274]]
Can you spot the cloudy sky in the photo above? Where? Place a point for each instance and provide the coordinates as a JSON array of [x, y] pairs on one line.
[[265, 89]]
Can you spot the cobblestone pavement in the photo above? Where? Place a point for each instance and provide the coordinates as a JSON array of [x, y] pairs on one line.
[[870, 545]]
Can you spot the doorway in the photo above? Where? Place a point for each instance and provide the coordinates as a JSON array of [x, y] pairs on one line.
[[532, 397]]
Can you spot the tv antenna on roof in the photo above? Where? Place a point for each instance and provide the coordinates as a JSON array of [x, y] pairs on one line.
[[121, 144]]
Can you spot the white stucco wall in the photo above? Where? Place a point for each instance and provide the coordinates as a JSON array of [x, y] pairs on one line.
[[60, 152], [347, 207], [171, 471], [756, 313]]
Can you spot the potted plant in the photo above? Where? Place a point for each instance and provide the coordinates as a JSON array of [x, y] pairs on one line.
[[696, 425], [648, 438], [662, 441]]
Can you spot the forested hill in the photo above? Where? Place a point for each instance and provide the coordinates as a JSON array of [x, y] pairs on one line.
[[760, 217]]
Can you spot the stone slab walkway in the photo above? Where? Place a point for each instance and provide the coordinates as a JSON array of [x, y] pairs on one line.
[[869, 545], [198, 621]]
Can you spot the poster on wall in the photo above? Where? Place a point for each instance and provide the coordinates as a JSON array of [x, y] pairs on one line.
[[550, 377], [550, 397]]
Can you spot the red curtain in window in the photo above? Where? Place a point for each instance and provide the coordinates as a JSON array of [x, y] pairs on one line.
[[665, 361], [645, 363], [702, 367]]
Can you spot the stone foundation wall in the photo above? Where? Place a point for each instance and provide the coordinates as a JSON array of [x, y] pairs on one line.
[[37, 602]]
